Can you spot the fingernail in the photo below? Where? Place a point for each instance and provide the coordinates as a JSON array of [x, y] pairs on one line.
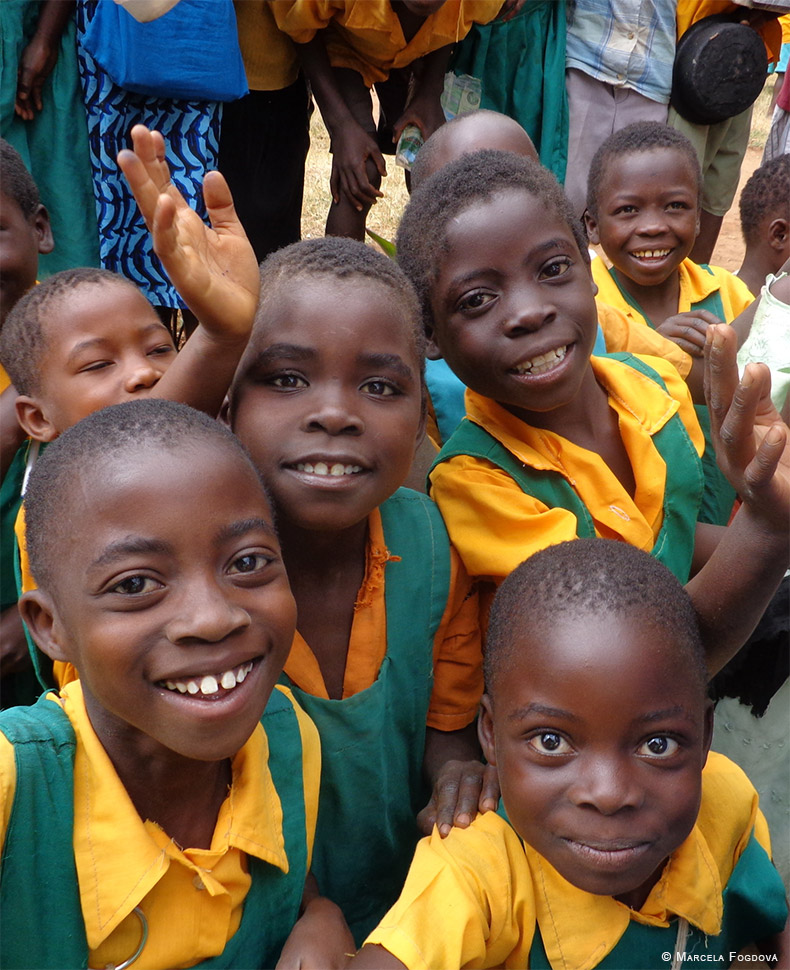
[[775, 435], [463, 819], [747, 380], [444, 829], [718, 339]]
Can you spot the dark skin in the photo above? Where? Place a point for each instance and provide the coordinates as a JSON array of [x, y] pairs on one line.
[[766, 252], [39, 57]]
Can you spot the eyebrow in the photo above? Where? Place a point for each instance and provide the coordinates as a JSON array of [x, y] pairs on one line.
[[387, 361], [523, 712], [674, 711], [289, 351], [236, 530], [549, 244]]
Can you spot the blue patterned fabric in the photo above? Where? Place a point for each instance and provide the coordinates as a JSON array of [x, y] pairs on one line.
[[191, 133]]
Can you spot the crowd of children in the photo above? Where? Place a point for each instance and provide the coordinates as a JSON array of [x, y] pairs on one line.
[[297, 714]]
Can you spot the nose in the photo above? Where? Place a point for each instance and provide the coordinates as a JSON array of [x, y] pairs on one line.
[[605, 783], [141, 375], [205, 612], [654, 221], [334, 411], [528, 311]]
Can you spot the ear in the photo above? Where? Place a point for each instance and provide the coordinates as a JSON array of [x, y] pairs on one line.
[[485, 729], [32, 419], [432, 351], [778, 234], [41, 223], [38, 612], [697, 224], [591, 225]]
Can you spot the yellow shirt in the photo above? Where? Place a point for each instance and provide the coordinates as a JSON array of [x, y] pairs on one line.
[[5, 380], [696, 284], [122, 859], [622, 333], [366, 35], [494, 525], [457, 648], [474, 898], [270, 59]]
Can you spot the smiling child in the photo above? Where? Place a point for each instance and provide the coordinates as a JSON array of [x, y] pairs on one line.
[[329, 401], [178, 828], [616, 842], [559, 445]]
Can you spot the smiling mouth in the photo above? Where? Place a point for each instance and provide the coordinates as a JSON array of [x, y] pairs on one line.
[[326, 470], [209, 685], [541, 363], [646, 255]]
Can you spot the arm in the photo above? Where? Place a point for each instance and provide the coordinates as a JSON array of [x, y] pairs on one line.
[[424, 108], [374, 957], [214, 269], [352, 146], [39, 57], [732, 590], [14, 654], [461, 784], [320, 937]]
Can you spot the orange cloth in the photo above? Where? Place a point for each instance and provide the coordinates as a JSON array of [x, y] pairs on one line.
[[690, 11], [457, 652], [270, 58]]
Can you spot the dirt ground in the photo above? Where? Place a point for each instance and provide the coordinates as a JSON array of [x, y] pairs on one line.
[[729, 246]]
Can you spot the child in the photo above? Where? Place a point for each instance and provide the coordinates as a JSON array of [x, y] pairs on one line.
[[401, 46], [178, 830], [87, 338], [558, 445], [25, 232], [765, 222], [643, 208], [620, 842], [329, 401]]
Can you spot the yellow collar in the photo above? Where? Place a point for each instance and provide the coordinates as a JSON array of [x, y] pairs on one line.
[[120, 857]]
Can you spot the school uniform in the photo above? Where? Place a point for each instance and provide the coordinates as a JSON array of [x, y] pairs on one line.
[[414, 658], [76, 850], [507, 489], [702, 287], [482, 898]]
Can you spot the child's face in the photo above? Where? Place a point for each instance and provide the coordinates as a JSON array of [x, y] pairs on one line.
[[648, 214], [174, 605], [600, 731], [513, 303], [21, 241], [328, 401], [106, 346]]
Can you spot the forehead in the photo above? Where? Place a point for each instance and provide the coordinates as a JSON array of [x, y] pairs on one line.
[[593, 660], [316, 310], [658, 168]]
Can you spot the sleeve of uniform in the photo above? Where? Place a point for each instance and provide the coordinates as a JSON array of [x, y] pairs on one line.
[[677, 387], [7, 784], [492, 523], [622, 334], [735, 294], [301, 19], [458, 655], [467, 901]]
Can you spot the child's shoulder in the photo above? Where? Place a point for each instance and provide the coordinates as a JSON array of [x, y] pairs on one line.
[[728, 810], [702, 279]]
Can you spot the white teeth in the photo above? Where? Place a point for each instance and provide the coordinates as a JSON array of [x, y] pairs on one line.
[[651, 253], [542, 362], [228, 680], [209, 684], [337, 470]]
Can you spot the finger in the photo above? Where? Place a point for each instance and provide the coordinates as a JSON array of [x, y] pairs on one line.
[[219, 204], [489, 790], [426, 819], [736, 436], [445, 795], [694, 334], [692, 349], [163, 229], [140, 182], [721, 372], [762, 468], [37, 89]]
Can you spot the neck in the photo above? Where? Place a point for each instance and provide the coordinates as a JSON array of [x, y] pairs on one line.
[[311, 552], [754, 269]]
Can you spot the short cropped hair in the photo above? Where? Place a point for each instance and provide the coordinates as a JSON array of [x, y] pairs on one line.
[[342, 259], [767, 193], [642, 136], [590, 577], [16, 182], [473, 178], [23, 339], [104, 438]]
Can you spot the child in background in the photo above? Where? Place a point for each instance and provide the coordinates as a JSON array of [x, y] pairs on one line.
[[25, 232], [765, 222], [400, 46], [643, 208], [557, 445], [329, 401], [620, 842], [178, 829]]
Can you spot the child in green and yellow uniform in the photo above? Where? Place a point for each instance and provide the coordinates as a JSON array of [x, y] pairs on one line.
[[620, 843], [558, 444], [329, 400], [178, 828], [643, 208]]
